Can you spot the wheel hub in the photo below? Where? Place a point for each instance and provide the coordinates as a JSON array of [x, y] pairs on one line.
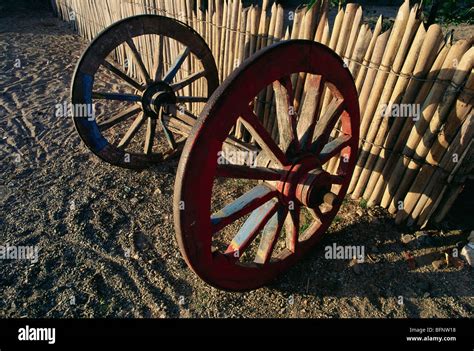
[[307, 183], [155, 96]]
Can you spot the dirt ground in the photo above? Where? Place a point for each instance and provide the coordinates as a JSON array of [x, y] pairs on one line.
[[106, 236]]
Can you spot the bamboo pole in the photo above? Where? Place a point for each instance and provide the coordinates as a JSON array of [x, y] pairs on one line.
[[295, 30], [245, 39], [277, 36], [307, 32], [272, 33], [360, 48], [356, 25], [261, 42], [323, 19], [368, 54]]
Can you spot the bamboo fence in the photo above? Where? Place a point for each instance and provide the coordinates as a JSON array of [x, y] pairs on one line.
[[413, 167]]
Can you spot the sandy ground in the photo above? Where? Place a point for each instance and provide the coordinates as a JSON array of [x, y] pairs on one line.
[[106, 235]]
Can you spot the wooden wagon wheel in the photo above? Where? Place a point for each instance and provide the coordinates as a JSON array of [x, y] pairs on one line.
[[160, 100], [265, 233]]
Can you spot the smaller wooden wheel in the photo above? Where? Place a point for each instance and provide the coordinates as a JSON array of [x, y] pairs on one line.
[[240, 224], [135, 122]]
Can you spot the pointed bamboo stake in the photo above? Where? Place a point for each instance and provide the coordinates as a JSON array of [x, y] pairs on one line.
[[368, 54], [323, 19]]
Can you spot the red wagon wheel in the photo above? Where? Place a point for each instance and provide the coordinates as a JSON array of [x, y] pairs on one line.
[[292, 199], [135, 122]]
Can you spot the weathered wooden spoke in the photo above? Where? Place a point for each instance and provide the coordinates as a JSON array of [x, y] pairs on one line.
[[334, 148], [150, 136], [246, 172], [164, 126], [285, 112], [292, 227], [138, 59], [171, 74], [132, 131], [187, 81], [242, 206], [269, 236], [158, 66], [264, 140], [98, 95], [131, 82], [309, 110], [326, 124], [121, 117], [250, 229]]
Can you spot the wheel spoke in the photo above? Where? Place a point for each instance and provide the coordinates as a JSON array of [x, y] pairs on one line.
[[119, 118], [169, 136], [286, 117], [233, 141], [115, 96], [245, 172], [184, 99], [138, 59], [187, 81], [150, 135], [169, 76], [250, 229], [158, 66], [333, 148], [312, 100], [292, 227], [270, 235], [242, 206], [122, 75], [252, 124], [326, 124], [132, 131], [182, 114]]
